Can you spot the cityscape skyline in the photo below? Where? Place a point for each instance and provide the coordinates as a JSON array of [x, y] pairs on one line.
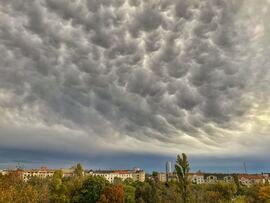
[[150, 164]]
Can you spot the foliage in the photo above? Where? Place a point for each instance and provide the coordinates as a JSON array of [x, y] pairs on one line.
[[264, 194], [129, 194], [13, 189], [78, 170], [182, 169], [91, 189], [117, 180], [112, 194]]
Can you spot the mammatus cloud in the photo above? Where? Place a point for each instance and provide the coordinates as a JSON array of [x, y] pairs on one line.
[[158, 76]]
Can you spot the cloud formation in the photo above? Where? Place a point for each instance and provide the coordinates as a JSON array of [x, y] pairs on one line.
[[157, 76]]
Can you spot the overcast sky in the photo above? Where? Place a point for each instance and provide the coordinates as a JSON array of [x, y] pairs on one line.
[[131, 82]]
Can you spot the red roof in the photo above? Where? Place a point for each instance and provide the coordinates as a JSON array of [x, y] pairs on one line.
[[251, 176]]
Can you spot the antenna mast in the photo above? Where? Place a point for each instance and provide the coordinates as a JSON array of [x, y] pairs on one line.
[[245, 167]]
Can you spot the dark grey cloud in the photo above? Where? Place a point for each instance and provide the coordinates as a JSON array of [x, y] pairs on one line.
[[132, 75]]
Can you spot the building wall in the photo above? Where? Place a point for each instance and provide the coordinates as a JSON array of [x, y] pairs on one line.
[[211, 179], [3, 172], [138, 176], [162, 177], [197, 179], [26, 175], [110, 176]]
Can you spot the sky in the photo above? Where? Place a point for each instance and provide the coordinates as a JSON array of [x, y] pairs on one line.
[[123, 83]]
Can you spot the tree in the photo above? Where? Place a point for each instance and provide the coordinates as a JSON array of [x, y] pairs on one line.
[[79, 170], [117, 180], [41, 185], [143, 192], [182, 169], [74, 186], [219, 192], [113, 194], [129, 194], [91, 189], [155, 175], [13, 189], [102, 199], [129, 181], [264, 194], [58, 189]]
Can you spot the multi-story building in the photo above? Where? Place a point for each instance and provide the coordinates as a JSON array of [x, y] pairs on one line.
[[110, 175], [138, 175], [42, 172], [162, 177]]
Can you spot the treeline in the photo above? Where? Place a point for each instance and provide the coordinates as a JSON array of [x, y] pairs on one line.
[[95, 189]]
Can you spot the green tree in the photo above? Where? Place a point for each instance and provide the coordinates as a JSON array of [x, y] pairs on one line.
[[129, 194], [155, 175], [74, 186], [79, 170], [117, 180], [143, 192], [129, 181], [219, 192], [149, 192], [58, 189], [91, 189], [182, 169]]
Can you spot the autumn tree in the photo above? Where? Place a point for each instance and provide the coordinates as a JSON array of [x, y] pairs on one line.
[[113, 194], [264, 194]]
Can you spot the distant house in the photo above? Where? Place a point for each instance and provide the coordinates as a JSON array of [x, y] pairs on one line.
[[216, 177], [3, 172], [162, 177], [251, 179], [196, 178], [210, 178], [228, 179]]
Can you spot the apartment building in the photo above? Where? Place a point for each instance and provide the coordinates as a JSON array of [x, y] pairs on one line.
[[138, 175], [43, 172], [162, 177], [110, 175]]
